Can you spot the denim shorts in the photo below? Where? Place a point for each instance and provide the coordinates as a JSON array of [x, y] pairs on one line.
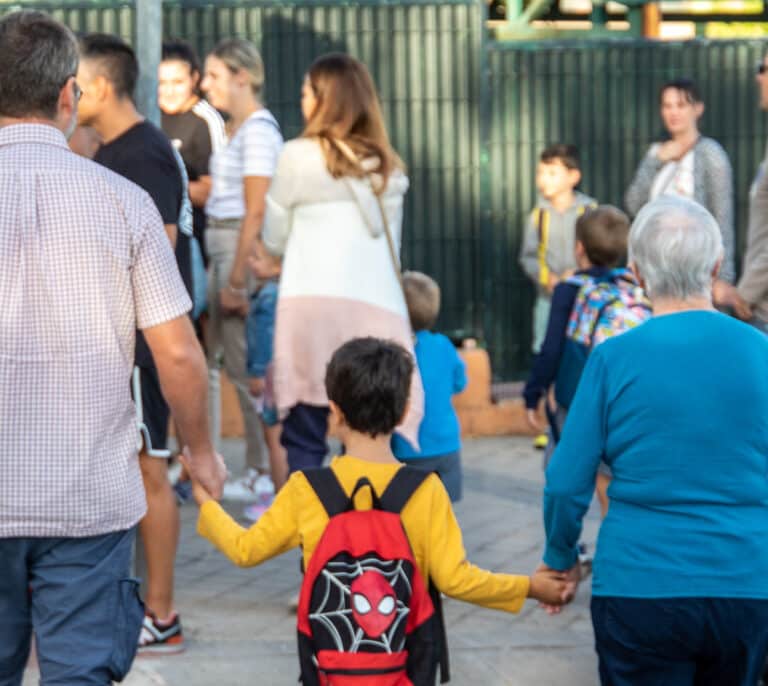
[[77, 596]]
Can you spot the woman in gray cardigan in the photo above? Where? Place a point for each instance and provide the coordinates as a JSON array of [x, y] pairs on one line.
[[688, 165]]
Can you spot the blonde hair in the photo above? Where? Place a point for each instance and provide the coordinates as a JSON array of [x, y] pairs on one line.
[[348, 110], [422, 296], [239, 54]]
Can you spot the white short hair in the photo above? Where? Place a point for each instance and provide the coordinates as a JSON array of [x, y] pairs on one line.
[[675, 244]]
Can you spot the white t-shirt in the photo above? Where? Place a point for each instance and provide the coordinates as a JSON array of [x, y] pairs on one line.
[[252, 151], [674, 178]]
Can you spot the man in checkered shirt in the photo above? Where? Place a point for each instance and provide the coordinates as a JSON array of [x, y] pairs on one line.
[[84, 261]]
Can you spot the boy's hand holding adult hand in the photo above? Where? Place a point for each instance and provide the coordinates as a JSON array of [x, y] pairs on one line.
[[568, 583], [208, 473], [548, 586]]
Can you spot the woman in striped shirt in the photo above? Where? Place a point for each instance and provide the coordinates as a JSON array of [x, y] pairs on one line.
[[241, 173]]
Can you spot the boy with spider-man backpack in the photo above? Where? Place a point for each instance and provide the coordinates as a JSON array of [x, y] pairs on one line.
[[380, 541]]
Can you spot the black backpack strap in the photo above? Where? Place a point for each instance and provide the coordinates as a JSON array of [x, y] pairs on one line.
[[403, 485], [328, 490], [440, 635]]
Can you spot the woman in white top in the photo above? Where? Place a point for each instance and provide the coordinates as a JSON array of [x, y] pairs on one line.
[[692, 166], [334, 211], [241, 172]]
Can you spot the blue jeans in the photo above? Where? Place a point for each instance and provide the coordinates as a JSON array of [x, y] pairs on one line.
[[680, 641], [77, 596]]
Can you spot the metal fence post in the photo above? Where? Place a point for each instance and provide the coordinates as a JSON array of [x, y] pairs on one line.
[[149, 41]]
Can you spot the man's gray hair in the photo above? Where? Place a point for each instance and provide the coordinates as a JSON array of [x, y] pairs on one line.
[[675, 244], [37, 56]]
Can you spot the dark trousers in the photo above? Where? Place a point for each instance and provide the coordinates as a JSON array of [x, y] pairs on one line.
[[304, 436], [75, 593], [680, 641]]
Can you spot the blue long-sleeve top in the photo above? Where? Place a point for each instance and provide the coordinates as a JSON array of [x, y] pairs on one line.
[[546, 363], [260, 329], [678, 408], [443, 374]]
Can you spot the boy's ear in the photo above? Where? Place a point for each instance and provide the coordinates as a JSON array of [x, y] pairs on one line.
[[575, 177], [698, 109], [578, 249], [335, 419]]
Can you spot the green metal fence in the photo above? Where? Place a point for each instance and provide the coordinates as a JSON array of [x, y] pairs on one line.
[[603, 97], [469, 117], [425, 58]]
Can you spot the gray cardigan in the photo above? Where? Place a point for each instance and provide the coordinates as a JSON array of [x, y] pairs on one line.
[[753, 285], [712, 188]]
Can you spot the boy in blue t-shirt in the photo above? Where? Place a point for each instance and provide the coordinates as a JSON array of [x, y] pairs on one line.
[[443, 374], [259, 334]]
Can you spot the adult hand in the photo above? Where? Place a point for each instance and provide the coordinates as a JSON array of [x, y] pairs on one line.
[[233, 303], [569, 588], [547, 586], [533, 420], [206, 469], [671, 150]]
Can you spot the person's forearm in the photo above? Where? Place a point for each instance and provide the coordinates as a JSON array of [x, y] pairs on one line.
[[199, 191], [249, 230]]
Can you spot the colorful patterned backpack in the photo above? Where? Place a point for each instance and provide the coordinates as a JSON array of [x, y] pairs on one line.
[[603, 308]]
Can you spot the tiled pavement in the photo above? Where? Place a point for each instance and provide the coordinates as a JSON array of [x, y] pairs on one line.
[[239, 630]]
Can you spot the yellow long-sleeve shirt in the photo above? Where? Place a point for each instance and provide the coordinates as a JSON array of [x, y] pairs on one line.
[[297, 517]]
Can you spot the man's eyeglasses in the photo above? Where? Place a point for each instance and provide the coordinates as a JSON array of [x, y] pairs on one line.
[[75, 86], [762, 68]]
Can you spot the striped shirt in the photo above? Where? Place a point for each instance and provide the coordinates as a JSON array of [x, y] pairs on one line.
[[84, 260], [210, 115], [252, 151]]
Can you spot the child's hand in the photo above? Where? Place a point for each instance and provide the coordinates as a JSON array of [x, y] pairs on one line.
[[199, 492], [552, 281], [552, 588], [256, 386]]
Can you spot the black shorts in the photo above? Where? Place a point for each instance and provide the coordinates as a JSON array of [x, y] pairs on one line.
[[152, 412]]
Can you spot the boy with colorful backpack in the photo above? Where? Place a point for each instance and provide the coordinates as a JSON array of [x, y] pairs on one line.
[[376, 537], [600, 300]]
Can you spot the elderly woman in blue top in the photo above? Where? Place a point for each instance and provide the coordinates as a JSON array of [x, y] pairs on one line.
[[679, 410]]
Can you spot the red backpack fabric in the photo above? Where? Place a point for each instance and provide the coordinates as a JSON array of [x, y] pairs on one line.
[[366, 615]]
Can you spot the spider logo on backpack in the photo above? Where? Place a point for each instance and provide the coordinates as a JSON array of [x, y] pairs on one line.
[[373, 603]]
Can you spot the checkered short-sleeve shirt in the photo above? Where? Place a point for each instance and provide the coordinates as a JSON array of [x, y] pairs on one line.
[[84, 260]]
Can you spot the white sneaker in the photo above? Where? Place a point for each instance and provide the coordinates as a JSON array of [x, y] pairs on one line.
[[244, 488], [264, 487]]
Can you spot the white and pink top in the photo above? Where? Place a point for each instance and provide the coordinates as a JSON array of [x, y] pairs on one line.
[[338, 281]]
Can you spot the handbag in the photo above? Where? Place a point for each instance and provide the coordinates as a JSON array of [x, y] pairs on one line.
[[352, 157]]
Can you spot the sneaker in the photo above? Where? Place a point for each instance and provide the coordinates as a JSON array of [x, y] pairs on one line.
[[585, 560], [253, 512], [541, 441], [160, 639], [245, 488]]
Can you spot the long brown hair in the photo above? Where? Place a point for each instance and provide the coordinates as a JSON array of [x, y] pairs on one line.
[[348, 110]]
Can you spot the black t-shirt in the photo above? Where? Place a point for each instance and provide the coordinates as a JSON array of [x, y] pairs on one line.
[[143, 154], [190, 135]]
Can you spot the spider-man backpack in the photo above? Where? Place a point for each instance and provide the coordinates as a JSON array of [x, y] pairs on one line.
[[366, 615]]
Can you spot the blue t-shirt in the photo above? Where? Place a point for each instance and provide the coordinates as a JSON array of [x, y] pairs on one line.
[[442, 374], [678, 408]]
